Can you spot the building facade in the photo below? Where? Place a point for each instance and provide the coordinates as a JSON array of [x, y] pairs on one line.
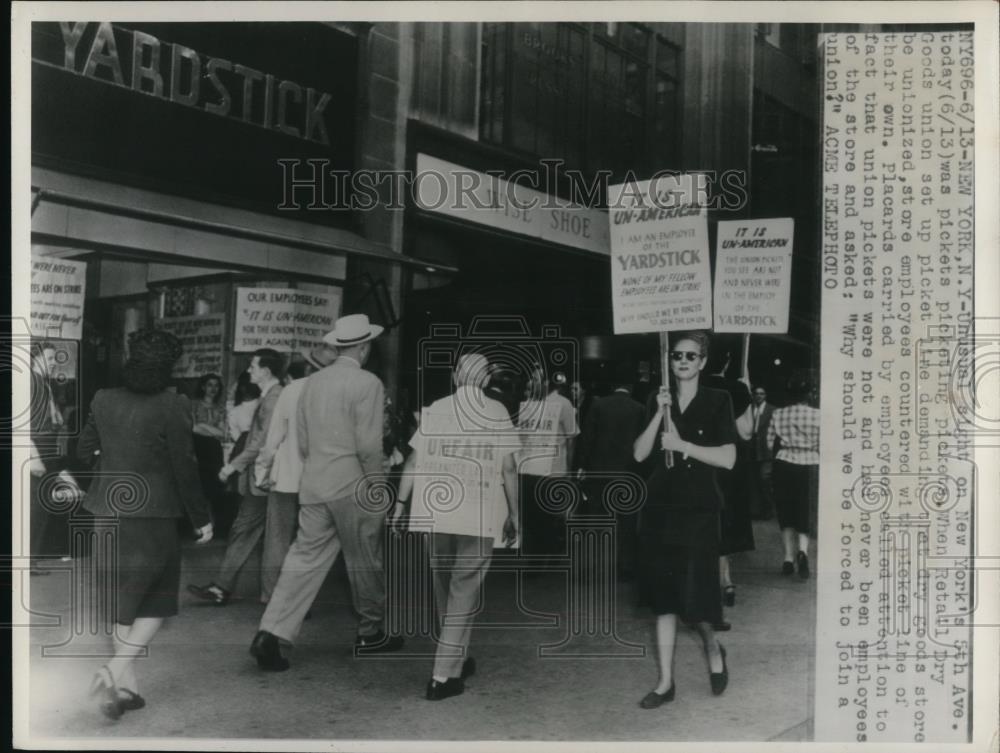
[[183, 163]]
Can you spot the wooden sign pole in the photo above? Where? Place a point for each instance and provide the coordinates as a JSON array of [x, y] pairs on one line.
[[665, 357], [746, 357]]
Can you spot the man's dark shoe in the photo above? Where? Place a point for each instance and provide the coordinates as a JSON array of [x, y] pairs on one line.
[[266, 649], [721, 626], [212, 592], [468, 668], [379, 643], [438, 691]]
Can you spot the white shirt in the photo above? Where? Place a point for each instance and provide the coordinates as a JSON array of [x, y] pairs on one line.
[[546, 427]]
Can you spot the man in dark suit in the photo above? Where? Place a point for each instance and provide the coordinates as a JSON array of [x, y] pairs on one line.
[[266, 369], [762, 503], [604, 453]]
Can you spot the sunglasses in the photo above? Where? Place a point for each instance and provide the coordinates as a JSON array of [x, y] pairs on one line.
[[679, 355]]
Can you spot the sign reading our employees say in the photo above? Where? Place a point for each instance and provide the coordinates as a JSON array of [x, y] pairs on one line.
[[285, 319], [457, 479], [660, 278], [753, 272]]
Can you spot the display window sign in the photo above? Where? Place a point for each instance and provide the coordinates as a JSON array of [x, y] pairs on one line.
[[203, 339], [58, 290], [284, 319]]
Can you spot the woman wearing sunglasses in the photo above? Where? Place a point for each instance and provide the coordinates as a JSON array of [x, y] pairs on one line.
[[679, 531]]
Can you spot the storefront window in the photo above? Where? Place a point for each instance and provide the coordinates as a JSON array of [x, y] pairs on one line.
[[596, 96]]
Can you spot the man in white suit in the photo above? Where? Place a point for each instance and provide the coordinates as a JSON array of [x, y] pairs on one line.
[[340, 421]]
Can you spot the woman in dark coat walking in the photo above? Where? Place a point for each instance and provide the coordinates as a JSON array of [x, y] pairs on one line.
[[679, 529], [148, 480]]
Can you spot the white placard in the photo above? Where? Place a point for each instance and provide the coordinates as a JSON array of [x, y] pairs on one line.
[[457, 478], [58, 290], [538, 422], [203, 341], [284, 319], [660, 276], [753, 273]]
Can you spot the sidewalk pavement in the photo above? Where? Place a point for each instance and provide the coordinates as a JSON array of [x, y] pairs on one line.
[[200, 682]]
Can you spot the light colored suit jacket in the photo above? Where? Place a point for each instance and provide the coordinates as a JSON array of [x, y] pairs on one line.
[[279, 460], [244, 462], [340, 423]]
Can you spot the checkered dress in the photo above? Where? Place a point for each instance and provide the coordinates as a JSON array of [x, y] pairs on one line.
[[798, 427]]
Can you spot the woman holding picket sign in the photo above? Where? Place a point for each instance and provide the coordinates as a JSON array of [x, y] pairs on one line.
[[679, 531]]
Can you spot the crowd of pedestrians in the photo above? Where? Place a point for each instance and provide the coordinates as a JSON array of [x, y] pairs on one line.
[[306, 445]]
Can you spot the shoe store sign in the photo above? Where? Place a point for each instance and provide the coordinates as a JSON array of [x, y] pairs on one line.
[[509, 205]]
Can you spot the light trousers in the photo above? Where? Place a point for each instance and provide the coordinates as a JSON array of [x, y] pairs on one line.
[[324, 530], [459, 564]]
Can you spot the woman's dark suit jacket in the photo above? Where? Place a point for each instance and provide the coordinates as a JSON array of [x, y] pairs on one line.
[[147, 467]]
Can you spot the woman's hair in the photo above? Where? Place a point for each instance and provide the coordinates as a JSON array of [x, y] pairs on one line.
[[199, 391], [152, 354], [697, 336], [802, 385]]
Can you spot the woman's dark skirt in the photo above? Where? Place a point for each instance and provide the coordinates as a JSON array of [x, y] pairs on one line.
[[679, 566], [796, 495], [148, 568]]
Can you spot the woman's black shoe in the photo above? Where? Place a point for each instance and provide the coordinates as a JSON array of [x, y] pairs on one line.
[[654, 700], [802, 564], [130, 701], [719, 680], [729, 596], [787, 568], [103, 689]]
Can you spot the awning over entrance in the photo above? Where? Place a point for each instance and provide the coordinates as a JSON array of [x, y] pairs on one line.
[[70, 209]]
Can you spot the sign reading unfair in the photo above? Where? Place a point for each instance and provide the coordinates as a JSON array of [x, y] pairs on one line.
[[58, 288], [753, 272], [660, 278], [283, 318], [458, 486]]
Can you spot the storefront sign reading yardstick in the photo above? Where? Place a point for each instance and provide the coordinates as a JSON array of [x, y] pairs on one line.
[[186, 77], [753, 272], [660, 278]]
